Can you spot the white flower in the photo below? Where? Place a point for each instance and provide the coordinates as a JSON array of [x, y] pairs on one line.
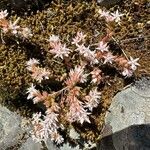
[[60, 50], [107, 16], [51, 119], [78, 113], [31, 62], [83, 78], [76, 75], [87, 53], [32, 92], [56, 137], [3, 14], [76, 110], [31, 89], [127, 72], [36, 118], [39, 74], [26, 32], [82, 116], [108, 58], [92, 99], [45, 73], [14, 27], [78, 72], [46, 128], [103, 13], [133, 63], [80, 48], [102, 46], [53, 38], [117, 16]]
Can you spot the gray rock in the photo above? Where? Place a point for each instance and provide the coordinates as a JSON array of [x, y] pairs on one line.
[[10, 130], [128, 119], [50, 146], [15, 133], [30, 145], [108, 3]]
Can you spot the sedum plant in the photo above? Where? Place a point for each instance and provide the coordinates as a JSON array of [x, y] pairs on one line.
[[80, 93], [8, 27]]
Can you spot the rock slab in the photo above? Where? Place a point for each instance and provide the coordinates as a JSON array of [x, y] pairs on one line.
[[108, 3], [14, 133], [129, 119]]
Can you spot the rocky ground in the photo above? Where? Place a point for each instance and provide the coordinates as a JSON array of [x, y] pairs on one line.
[[127, 121]]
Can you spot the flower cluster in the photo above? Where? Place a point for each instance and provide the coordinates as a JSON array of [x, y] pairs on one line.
[[11, 27], [37, 73], [47, 127], [79, 107], [110, 16], [57, 48], [74, 102], [127, 66]]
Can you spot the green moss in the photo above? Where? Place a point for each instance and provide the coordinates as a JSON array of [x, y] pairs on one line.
[[13, 73]]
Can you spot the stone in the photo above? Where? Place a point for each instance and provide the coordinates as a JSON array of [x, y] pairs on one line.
[[30, 145], [108, 3], [10, 130], [128, 119], [14, 132]]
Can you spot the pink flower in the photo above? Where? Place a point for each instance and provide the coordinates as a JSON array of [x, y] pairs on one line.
[[60, 50], [32, 92], [32, 62], [76, 110], [87, 53], [39, 74], [103, 13], [109, 58], [127, 72], [81, 48], [79, 37], [46, 128], [102, 46], [76, 75], [96, 75], [106, 14], [36, 95], [56, 137], [110, 17]]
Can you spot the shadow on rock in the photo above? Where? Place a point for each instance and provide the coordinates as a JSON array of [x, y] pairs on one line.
[[135, 137]]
